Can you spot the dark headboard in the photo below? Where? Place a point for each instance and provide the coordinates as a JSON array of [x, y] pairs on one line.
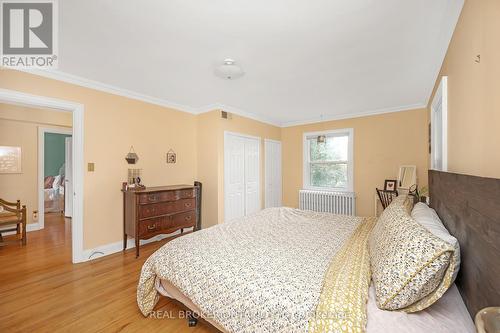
[[469, 207]]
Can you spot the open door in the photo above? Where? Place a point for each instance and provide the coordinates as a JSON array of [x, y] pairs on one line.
[[68, 180]]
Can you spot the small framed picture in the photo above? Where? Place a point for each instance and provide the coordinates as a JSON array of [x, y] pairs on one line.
[[390, 185], [171, 157]]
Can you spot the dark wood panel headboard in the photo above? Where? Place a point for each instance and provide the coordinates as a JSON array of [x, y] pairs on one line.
[[469, 207]]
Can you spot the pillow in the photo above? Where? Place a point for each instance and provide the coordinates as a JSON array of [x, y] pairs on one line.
[[411, 268], [57, 182], [48, 181], [429, 219]]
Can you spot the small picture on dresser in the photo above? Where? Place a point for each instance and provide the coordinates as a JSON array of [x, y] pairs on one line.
[[390, 185], [171, 157]]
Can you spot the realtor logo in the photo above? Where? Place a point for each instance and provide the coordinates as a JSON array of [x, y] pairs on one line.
[[29, 33]]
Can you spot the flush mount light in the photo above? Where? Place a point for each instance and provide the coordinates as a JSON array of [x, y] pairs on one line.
[[229, 70]]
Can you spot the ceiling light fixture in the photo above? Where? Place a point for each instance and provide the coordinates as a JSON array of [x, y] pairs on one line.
[[229, 70]]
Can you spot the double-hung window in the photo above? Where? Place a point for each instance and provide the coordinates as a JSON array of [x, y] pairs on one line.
[[328, 160]]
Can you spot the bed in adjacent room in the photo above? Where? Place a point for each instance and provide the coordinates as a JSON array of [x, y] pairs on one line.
[[288, 270]]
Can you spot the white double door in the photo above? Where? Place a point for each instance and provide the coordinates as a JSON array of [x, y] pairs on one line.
[[241, 175]]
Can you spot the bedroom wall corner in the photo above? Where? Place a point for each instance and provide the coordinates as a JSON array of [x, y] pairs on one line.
[[381, 144]]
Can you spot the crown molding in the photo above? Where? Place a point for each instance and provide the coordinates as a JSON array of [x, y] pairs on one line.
[[355, 115], [239, 112], [96, 85]]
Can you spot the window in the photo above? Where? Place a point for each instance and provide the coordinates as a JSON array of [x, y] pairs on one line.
[[439, 127], [328, 162]]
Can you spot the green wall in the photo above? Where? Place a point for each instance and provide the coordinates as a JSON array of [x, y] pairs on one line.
[[54, 153]]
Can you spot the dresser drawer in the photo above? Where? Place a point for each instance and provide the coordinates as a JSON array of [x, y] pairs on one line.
[[163, 208], [151, 226], [148, 198], [186, 219]]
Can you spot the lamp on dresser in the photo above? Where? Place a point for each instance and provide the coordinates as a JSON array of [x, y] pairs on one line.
[[152, 211]]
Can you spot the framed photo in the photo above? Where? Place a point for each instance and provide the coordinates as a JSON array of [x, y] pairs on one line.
[[171, 157], [390, 185], [10, 159]]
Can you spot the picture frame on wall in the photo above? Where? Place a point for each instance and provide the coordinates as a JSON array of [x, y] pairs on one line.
[[390, 185]]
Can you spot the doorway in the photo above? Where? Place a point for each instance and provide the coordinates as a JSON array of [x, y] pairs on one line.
[[77, 110], [55, 166]]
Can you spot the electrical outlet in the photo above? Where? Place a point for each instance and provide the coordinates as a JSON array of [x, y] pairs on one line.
[[35, 215], [90, 167]]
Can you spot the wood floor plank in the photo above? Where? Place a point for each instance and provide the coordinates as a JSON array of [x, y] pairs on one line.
[[42, 291]]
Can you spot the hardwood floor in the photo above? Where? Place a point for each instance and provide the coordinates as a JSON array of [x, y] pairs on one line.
[[42, 291]]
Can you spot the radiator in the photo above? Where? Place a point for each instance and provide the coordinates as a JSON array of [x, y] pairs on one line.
[[342, 203]]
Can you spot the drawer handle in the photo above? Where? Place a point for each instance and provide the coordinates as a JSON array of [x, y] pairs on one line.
[[152, 227], [187, 218], [153, 198], [187, 204]]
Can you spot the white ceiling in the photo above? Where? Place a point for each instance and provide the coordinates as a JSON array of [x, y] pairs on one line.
[[304, 60]]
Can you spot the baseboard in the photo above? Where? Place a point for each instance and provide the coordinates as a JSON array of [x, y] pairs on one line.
[[105, 250], [29, 227]]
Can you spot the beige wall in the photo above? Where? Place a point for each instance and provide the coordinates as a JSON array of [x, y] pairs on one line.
[[112, 124], [381, 144], [211, 128], [474, 90], [19, 127]]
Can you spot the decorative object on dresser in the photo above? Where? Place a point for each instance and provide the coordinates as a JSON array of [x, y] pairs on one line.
[[390, 185], [386, 197], [152, 211], [13, 215]]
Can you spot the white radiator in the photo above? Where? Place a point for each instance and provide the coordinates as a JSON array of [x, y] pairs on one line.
[[342, 203]]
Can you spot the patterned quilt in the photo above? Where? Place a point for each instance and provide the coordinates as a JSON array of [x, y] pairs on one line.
[[268, 272]]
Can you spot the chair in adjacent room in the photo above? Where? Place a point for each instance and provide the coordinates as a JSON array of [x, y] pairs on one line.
[[13, 216]]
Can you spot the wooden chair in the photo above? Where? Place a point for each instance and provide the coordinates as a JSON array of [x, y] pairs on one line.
[[13, 215], [386, 197]]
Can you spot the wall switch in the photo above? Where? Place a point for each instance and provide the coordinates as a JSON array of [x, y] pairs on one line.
[[90, 167], [35, 215]]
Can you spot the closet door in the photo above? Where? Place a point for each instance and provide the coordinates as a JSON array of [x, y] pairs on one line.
[[234, 177], [241, 175], [252, 176], [273, 184]]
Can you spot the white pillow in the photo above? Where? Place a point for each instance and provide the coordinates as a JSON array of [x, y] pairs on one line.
[[57, 182], [429, 219]]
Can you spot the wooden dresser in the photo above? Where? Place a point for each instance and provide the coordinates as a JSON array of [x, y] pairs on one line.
[[160, 210]]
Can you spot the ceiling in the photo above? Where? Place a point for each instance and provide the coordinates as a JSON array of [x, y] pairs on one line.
[[304, 61]]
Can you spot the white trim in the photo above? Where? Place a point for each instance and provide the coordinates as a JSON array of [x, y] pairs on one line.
[[91, 84], [350, 162], [107, 249], [108, 88], [41, 167], [354, 115], [242, 135], [441, 96], [238, 112], [28, 100], [266, 171]]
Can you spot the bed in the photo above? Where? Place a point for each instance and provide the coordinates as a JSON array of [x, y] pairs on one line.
[[287, 270], [54, 194]]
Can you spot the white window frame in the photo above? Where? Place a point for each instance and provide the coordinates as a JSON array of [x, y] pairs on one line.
[[440, 101], [350, 162]]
